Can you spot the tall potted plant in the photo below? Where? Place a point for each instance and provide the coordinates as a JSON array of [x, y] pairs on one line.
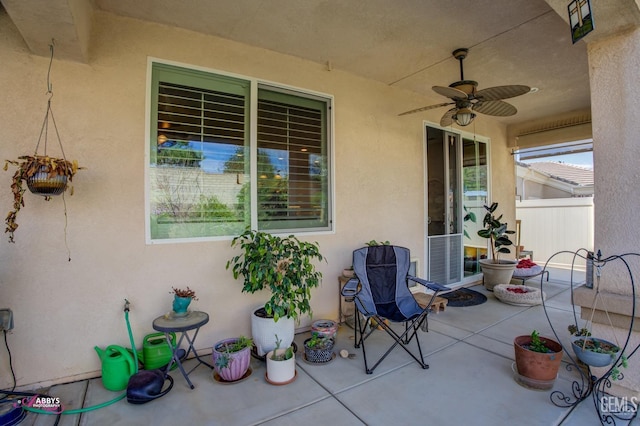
[[496, 270], [283, 266]]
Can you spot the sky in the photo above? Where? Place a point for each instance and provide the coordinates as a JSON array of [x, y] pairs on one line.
[[584, 159]]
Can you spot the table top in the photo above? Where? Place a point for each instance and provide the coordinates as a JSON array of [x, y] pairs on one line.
[[172, 323]]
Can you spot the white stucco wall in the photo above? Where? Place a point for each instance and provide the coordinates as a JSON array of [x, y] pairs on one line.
[[63, 309], [615, 100]]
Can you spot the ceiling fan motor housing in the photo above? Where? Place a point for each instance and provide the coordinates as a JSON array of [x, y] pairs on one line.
[[467, 86]]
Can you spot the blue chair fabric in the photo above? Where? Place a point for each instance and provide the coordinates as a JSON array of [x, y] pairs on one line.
[[381, 293]]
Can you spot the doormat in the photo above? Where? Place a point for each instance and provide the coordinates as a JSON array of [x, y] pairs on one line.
[[464, 297]]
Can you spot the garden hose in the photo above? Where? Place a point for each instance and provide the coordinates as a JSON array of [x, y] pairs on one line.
[[104, 404]]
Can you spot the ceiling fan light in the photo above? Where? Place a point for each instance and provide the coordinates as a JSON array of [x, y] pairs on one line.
[[463, 117]]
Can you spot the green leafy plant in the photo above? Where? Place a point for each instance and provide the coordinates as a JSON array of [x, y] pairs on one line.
[[227, 348], [615, 371], [496, 232], [469, 216], [374, 243], [598, 346], [288, 354], [538, 344], [284, 266], [573, 329], [318, 341]]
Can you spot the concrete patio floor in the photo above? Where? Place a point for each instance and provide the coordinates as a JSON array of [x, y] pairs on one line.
[[470, 381]]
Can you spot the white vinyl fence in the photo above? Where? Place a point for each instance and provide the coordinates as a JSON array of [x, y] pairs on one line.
[[553, 225]]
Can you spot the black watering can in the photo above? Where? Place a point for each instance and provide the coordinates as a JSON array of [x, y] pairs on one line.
[[146, 385]]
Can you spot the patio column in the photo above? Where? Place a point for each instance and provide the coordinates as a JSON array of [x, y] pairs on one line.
[[615, 106]]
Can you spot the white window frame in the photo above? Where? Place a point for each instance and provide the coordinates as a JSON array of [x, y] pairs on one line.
[[255, 84]]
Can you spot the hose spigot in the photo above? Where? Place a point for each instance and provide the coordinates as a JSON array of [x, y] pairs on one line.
[[126, 305]]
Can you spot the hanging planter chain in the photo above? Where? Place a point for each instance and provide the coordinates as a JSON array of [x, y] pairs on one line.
[[44, 175], [45, 125]]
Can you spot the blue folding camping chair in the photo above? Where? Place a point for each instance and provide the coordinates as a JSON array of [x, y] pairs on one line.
[[381, 292]]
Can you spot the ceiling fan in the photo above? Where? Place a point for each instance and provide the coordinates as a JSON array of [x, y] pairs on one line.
[[468, 100]]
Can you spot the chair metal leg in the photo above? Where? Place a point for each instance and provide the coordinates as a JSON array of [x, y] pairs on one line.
[[402, 340]]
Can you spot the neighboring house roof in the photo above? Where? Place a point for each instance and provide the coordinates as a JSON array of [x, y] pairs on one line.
[[574, 180], [568, 173]]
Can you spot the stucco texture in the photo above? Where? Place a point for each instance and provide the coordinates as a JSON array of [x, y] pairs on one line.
[[63, 309]]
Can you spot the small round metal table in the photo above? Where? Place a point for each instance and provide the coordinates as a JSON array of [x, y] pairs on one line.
[[171, 323]]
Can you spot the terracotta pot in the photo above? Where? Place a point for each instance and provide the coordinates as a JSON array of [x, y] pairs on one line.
[[538, 366]]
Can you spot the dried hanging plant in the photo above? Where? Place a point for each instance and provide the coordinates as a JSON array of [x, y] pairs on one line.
[[43, 174]]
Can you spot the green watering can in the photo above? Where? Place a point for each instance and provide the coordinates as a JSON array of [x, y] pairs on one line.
[[156, 352], [117, 367]]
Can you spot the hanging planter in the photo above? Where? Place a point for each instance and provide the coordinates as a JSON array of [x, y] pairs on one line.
[[595, 352], [42, 183], [44, 175]]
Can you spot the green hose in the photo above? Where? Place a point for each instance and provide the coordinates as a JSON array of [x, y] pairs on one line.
[[104, 404]]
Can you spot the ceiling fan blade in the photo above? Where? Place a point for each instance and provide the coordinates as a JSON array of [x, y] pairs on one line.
[[502, 92], [426, 108], [447, 118], [450, 92], [496, 108]]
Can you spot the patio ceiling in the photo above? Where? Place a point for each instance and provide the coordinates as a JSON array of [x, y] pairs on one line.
[[402, 43]]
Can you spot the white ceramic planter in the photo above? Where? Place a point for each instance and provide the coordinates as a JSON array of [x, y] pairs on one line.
[[281, 372], [264, 331], [496, 273]]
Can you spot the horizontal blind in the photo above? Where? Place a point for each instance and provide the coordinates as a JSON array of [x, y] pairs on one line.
[[198, 171], [291, 164]]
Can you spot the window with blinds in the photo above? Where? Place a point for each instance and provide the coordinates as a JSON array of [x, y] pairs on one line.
[[292, 158], [199, 172]]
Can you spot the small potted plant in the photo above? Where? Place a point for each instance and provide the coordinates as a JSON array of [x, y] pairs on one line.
[[284, 267], [232, 358], [182, 299], [318, 349], [537, 359], [281, 364], [44, 175], [592, 351], [496, 270]]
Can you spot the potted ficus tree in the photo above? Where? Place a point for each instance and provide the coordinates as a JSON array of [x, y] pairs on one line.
[[284, 267], [496, 270]]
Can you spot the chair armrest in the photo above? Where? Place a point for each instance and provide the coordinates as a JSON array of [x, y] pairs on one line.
[[431, 285], [351, 288]]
